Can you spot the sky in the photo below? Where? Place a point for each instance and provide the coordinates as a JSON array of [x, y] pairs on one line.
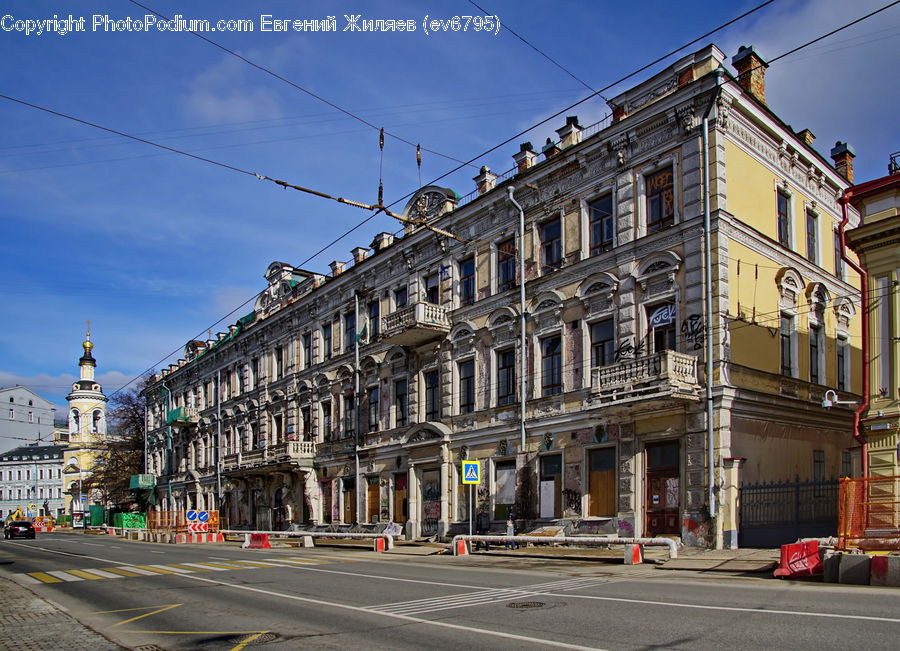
[[156, 248]]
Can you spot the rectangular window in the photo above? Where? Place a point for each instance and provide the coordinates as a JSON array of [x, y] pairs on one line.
[[349, 416], [551, 365], [602, 343], [30, 416], [432, 289], [506, 377], [883, 342], [787, 346], [401, 403], [254, 372], [660, 189], [815, 350], [661, 322], [400, 297], [551, 486], [467, 281], [818, 465], [374, 320], [843, 356], [784, 219], [12, 414], [349, 331], [505, 495], [242, 379], [551, 245], [432, 395], [838, 261], [467, 386], [506, 265], [812, 237], [307, 423], [600, 224], [307, 350], [279, 362], [372, 399], [326, 420], [326, 341]]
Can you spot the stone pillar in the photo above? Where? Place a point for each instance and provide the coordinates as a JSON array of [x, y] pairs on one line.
[[728, 500], [412, 487], [446, 491]]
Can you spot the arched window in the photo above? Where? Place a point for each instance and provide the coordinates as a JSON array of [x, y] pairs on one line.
[[95, 424], [76, 421]]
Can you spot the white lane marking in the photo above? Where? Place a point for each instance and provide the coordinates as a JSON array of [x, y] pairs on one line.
[[157, 552], [299, 561], [93, 544], [177, 570], [59, 574], [115, 546], [137, 570], [220, 558], [24, 579], [202, 566], [103, 573]]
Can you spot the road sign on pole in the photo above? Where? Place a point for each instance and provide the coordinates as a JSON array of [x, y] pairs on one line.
[[191, 515], [471, 472], [203, 516]]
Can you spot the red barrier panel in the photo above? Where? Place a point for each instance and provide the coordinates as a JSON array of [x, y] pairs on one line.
[[379, 545], [259, 541], [799, 559]]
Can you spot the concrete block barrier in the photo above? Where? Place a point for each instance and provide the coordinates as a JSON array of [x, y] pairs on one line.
[[634, 554], [885, 570], [854, 569]]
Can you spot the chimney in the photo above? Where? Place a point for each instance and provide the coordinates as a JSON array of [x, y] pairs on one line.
[[618, 112], [550, 149], [751, 69], [807, 136], [382, 241], [843, 154], [337, 268], [571, 133], [486, 180], [525, 158], [359, 254]]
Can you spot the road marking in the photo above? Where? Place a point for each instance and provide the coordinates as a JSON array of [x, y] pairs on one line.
[[299, 561], [93, 544], [156, 569], [138, 569], [65, 576], [134, 619], [43, 577], [248, 641], [211, 567], [123, 572], [95, 574], [180, 568]]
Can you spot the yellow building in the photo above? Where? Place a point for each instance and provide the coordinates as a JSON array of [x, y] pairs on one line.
[[877, 240], [86, 432], [628, 328]]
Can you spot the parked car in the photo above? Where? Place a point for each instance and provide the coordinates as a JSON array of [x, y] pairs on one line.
[[18, 529]]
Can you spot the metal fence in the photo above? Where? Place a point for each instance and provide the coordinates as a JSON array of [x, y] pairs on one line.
[[775, 513]]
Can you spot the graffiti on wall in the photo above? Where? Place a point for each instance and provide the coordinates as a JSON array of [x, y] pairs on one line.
[[692, 331]]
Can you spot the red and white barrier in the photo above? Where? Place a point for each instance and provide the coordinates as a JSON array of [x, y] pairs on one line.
[[256, 541], [799, 559]]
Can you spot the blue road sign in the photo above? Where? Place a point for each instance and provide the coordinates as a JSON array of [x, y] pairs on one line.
[[191, 515], [471, 472], [203, 516]]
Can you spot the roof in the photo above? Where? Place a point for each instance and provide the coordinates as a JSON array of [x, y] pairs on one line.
[[24, 389], [31, 451], [874, 186]]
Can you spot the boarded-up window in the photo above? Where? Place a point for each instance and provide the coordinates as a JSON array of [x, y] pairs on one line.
[[551, 486], [602, 482], [506, 489]]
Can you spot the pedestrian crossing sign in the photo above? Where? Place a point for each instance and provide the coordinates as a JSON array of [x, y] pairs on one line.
[[471, 472]]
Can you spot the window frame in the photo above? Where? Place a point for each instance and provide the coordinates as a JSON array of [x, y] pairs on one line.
[[816, 350], [401, 402], [506, 375], [467, 281], [594, 347], [664, 222], [787, 333], [373, 311], [506, 267], [327, 340], [467, 386], [608, 220], [812, 236], [783, 218], [551, 247], [551, 373], [432, 394], [373, 397]]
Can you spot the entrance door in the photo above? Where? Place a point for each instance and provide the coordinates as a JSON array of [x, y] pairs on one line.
[[401, 503], [349, 500], [551, 486], [663, 488], [278, 514], [373, 499], [431, 501]]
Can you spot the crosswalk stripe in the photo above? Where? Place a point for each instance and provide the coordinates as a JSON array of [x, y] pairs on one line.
[[65, 576], [98, 574], [301, 561], [225, 566], [43, 577], [259, 564], [157, 569], [180, 568], [205, 566], [141, 569], [85, 575], [123, 572]]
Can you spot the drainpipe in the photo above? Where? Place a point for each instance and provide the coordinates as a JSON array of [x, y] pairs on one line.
[[510, 191], [844, 199], [708, 291], [169, 450], [219, 441], [356, 403]]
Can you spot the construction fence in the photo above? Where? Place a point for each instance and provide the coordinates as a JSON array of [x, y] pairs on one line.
[[869, 513], [179, 522]]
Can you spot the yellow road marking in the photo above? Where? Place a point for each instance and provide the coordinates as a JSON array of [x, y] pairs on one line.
[[248, 641], [159, 610], [255, 564], [158, 570], [193, 632], [192, 568], [226, 567], [85, 575], [116, 570], [128, 610], [44, 577]]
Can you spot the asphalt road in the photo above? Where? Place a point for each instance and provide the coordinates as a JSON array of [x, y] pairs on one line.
[[222, 597]]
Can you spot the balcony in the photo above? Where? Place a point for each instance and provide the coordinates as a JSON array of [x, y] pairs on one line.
[[667, 374], [415, 324], [284, 455], [182, 416]]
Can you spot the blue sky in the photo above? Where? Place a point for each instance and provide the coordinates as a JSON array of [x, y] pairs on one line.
[[155, 248]]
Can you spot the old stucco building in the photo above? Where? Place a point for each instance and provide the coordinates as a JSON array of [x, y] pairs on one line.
[[625, 428]]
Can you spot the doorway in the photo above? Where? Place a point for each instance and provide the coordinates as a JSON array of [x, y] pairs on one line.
[[401, 503], [431, 501], [662, 488], [373, 499]]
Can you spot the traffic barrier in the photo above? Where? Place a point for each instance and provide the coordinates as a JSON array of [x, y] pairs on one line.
[[569, 540], [854, 569], [634, 554], [885, 570], [378, 544], [256, 541], [307, 536], [460, 548], [799, 559]]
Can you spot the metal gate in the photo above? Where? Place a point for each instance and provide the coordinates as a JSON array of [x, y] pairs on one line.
[[776, 513]]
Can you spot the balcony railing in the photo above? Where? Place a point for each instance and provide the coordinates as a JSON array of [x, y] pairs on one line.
[[182, 415], [664, 374], [415, 324], [299, 453]]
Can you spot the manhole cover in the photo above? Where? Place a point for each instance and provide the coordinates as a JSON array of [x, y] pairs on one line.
[[149, 647], [526, 604], [250, 640]]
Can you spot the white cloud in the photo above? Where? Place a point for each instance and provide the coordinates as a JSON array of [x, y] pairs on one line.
[[222, 93]]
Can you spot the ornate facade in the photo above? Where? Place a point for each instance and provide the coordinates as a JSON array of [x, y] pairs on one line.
[[353, 397]]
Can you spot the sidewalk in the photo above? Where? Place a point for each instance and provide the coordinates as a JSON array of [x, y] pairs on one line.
[[28, 622]]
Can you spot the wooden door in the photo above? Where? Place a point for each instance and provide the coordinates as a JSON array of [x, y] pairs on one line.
[[663, 488], [401, 503], [373, 501]]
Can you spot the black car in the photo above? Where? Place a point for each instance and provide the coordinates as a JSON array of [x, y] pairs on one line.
[[18, 529]]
